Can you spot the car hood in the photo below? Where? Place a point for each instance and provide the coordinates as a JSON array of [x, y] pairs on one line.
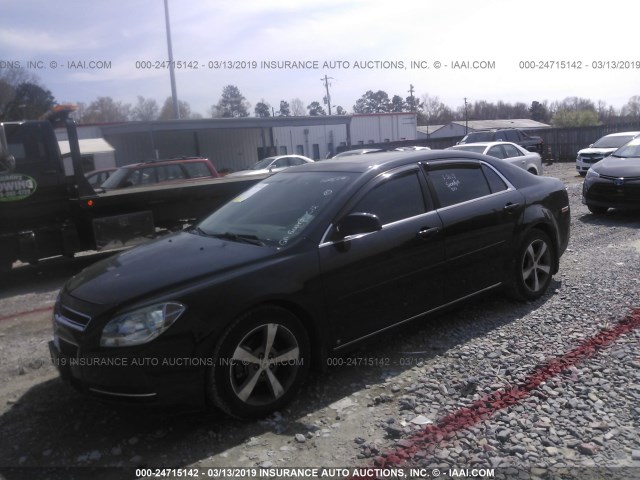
[[618, 167], [601, 151], [161, 265]]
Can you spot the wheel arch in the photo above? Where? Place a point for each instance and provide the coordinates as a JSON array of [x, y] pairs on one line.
[[317, 339]]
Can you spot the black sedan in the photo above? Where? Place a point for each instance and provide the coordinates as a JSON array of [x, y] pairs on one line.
[[300, 268], [615, 181]]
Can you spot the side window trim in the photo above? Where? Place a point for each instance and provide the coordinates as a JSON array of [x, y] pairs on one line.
[[383, 177]]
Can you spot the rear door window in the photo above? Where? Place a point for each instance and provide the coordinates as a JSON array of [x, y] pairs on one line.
[[197, 169], [458, 183]]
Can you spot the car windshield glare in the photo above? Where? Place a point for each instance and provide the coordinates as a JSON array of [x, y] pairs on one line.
[[472, 148], [277, 210], [116, 178], [631, 150], [262, 164], [612, 142]]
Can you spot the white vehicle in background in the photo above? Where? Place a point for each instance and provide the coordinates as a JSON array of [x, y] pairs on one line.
[[507, 151], [272, 165], [604, 147]]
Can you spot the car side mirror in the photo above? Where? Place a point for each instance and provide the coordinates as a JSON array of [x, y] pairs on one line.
[[590, 145], [358, 223]]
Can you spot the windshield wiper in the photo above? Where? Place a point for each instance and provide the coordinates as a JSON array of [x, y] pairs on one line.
[[239, 237]]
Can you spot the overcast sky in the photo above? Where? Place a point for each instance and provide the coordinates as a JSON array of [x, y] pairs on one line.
[[503, 33]]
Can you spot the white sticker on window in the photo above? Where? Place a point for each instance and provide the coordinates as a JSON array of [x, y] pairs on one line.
[[451, 181]]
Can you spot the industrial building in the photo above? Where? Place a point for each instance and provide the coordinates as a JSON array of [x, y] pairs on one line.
[[237, 143]]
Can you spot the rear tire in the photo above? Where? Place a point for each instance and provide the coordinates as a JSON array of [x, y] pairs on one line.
[[533, 266], [259, 363]]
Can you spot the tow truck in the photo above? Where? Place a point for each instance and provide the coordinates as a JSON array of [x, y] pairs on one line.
[[44, 212]]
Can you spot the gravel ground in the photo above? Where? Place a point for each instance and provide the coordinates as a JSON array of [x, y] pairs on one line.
[[547, 389]]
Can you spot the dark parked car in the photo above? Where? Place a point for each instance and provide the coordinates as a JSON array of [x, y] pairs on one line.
[[615, 181], [300, 268], [160, 172]]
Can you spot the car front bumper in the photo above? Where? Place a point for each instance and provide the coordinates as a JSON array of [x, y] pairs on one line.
[[129, 378]]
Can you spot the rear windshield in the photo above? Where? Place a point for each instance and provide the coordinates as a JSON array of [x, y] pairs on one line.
[[478, 137]]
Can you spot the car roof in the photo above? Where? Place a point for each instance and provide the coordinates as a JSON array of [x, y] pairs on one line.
[[275, 157], [384, 160], [166, 161], [481, 144], [621, 134]]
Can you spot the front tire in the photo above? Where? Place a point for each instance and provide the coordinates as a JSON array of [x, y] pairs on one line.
[[533, 266], [597, 210], [259, 363]]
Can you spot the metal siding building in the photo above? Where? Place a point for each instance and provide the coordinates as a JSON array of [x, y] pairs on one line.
[[383, 127], [237, 143]]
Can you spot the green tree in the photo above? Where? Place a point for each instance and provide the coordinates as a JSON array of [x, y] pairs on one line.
[[232, 104], [29, 102], [340, 110], [145, 110], [373, 102], [284, 111], [574, 118], [315, 109], [398, 104], [263, 109], [539, 112]]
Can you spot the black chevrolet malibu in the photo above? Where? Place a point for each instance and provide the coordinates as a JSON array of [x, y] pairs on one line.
[[615, 181], [300, 268]]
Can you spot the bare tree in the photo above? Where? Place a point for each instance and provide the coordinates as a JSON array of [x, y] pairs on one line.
[[297, 108], [145, 110]]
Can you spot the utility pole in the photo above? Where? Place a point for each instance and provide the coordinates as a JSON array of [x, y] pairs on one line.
[[413, 102], [466, 117], [174, 93], [327, 99]]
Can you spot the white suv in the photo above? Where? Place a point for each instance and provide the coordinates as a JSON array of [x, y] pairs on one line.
[[604, 147]]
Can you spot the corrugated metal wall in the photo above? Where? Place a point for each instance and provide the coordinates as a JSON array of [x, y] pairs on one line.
[[326, 138], [367, 129], [232, 149]]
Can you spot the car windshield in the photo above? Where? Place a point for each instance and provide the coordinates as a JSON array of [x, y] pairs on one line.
[[277, 210], [116, 178], [262, 164], [630, 150], [472, 148], [478, 137], [613, 142]]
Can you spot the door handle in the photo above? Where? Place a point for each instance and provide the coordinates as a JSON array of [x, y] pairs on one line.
[[427, 232], [510, 207]]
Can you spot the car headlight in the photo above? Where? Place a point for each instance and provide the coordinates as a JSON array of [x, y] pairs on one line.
[[140, 326], [591, 173]]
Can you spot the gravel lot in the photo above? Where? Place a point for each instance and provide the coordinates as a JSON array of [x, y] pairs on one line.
[[548, 389]]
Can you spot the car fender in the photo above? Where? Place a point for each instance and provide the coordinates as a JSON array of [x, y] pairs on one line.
[[540, 217]]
